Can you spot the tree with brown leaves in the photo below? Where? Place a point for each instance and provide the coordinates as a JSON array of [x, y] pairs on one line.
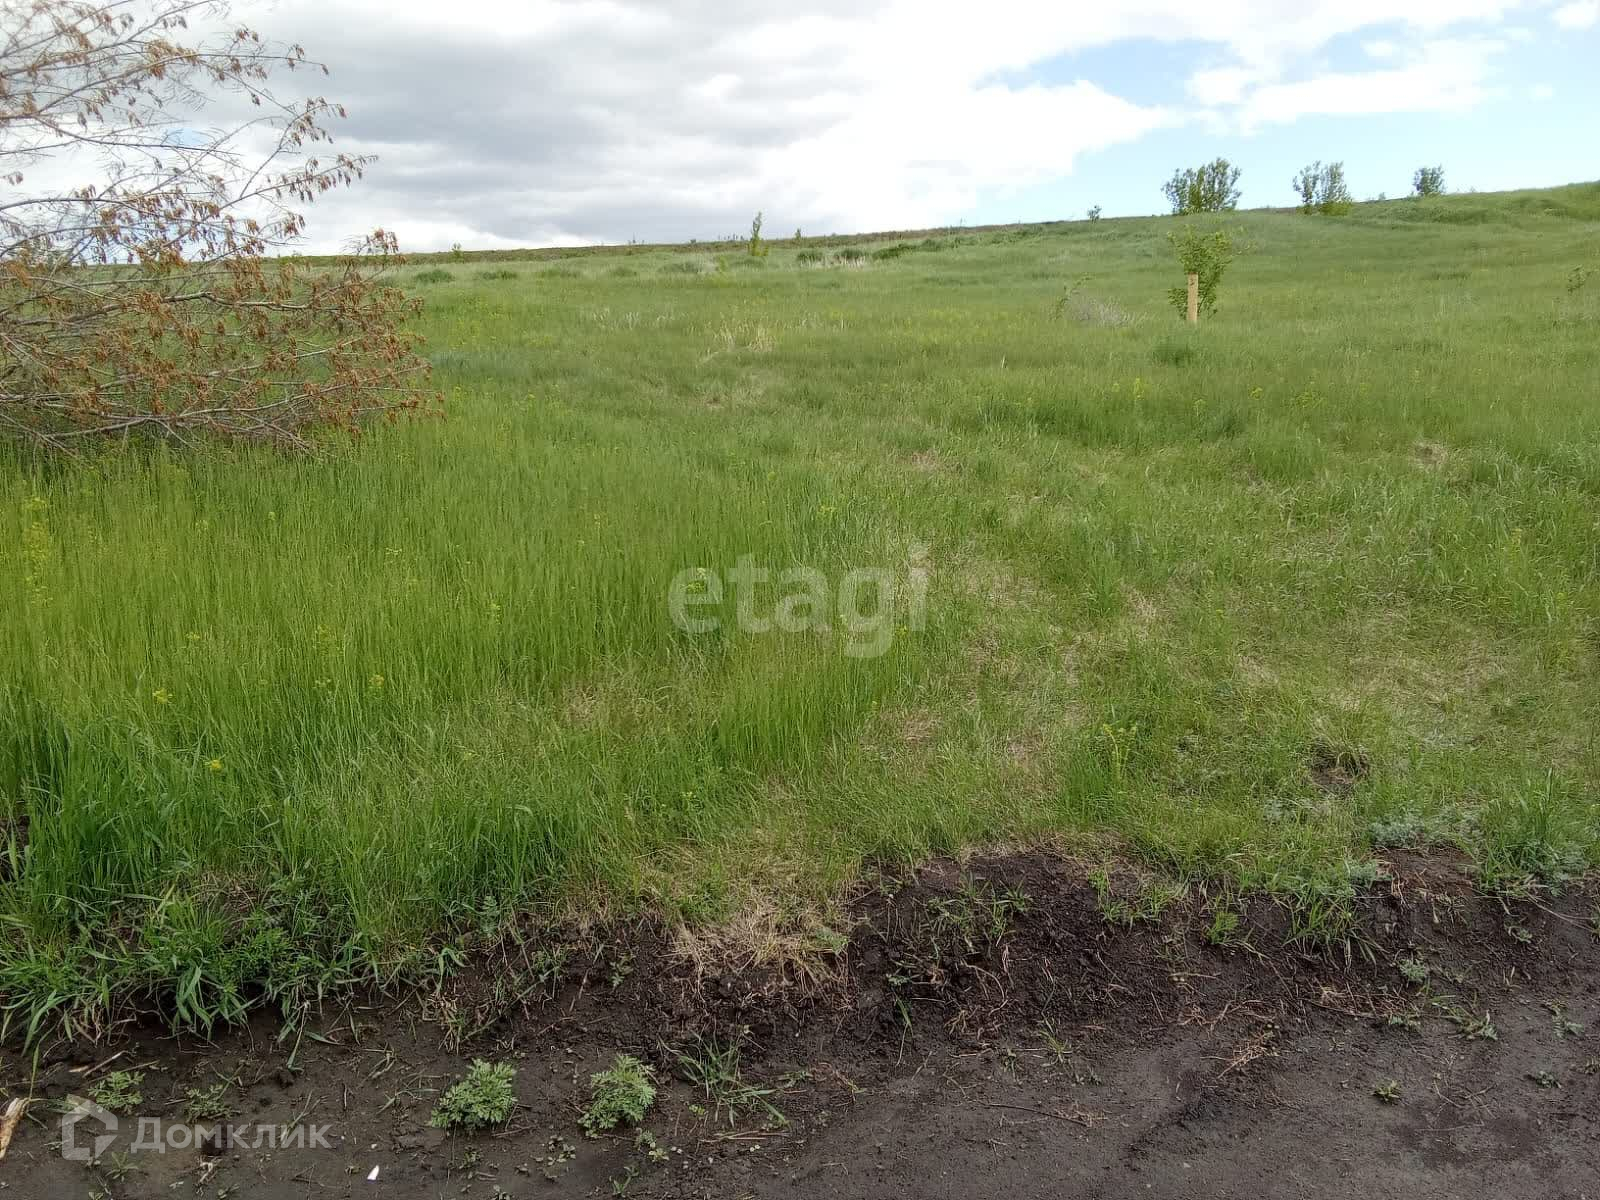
[[154, 299]]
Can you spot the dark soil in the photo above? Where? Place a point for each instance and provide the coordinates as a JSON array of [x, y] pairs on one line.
[[1013, 1027]]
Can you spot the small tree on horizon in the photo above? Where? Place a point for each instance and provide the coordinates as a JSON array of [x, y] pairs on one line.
[[1323, 189], [1211, 187], [1428, 181], [144, 298]]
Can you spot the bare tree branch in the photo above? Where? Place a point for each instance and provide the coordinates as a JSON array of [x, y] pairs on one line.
[[148, 301]]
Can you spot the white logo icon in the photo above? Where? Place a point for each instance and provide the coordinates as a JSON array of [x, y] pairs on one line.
[[76, 1145]]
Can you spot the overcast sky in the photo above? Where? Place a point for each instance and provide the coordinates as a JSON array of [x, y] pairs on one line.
[[538, 123]]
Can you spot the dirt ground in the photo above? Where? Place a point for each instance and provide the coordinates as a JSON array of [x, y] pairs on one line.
[[1016, 1026]]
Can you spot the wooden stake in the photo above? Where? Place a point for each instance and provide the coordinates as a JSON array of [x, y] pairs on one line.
[[1194, 298]]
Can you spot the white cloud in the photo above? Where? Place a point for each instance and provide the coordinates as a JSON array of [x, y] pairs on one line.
[[1444, 75], [1581, 14], [513, 121], [1223, 85]]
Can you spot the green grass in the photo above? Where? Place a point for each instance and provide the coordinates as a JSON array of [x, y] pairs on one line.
[[271, 726]]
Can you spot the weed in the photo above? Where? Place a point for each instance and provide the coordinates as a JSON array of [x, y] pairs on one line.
[[653, 1149], [482, 1099], [621, 968], [1224, 928], [619, 1095], [1092, 310], [1060, 1048], [1564, 1026], [1322, 908], [546, 966], [119, 1092], [1413, 970], [977, 915], [1411, 1022], [118, 1165], [1388, 1091], [713, 1067], [1146, 904], [558, 1152], [206, 1104], [1415, 829], [1530, 839], [432, 275]]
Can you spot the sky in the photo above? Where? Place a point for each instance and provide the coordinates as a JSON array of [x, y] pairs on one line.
[[506, 123]]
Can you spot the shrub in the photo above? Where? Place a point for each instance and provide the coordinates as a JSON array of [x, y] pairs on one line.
[[1212, 187], [757, 248], [482, 1099], [894, 251], [619, 1095], [1323, 189], [851, 255], [1206, 255], [497, 273], [1094, 213], [1428, 181], [810, 256], [433, 275]]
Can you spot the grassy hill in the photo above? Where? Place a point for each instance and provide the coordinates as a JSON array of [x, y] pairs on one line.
[[1247, 602]]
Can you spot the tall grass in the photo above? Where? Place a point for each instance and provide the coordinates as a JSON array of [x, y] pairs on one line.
[[268, 726]]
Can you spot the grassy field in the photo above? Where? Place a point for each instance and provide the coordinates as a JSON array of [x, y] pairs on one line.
[[1242, 602]]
